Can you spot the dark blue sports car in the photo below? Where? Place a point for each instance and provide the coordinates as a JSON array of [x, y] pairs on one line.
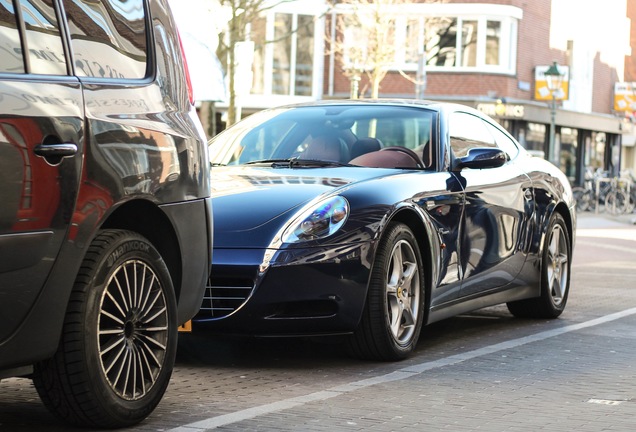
[[374, 218]]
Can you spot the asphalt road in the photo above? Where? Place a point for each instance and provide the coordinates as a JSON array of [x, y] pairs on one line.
[[485, 371]]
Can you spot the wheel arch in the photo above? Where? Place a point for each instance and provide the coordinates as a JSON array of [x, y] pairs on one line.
[[147, 219], [562, 209]]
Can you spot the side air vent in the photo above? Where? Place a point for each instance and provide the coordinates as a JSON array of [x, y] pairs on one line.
[[221, 298]]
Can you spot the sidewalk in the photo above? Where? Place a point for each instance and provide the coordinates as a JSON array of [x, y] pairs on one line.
[[603, 226], [591, 220]]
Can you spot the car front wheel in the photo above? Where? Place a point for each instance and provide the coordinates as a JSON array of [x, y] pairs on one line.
[[394, 310], [118, 346]]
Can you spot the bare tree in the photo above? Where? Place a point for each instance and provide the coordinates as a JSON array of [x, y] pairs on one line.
[[241, 14], [364, 42]]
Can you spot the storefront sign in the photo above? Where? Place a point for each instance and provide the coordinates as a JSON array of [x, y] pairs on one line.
[[541, 90], [625, 96], [501, 110]]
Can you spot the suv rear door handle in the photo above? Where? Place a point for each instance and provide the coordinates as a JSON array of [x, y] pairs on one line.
[[54, 153]]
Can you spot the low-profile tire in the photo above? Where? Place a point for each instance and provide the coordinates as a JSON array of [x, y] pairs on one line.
[[394, 310], [119, 339], [555, 275]]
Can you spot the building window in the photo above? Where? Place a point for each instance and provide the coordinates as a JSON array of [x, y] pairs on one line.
[[441, 42], [304, 56], [259, 34], [569, 150], [468, 47], [282, 53], [451, 42], [535, 138], [595, 151], [468, 44], [285, 65], [493, 43]]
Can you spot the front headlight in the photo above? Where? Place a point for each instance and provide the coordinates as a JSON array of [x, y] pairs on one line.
[[319, 221]]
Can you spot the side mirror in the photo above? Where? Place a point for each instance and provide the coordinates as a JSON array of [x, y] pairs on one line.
[[482, 158]]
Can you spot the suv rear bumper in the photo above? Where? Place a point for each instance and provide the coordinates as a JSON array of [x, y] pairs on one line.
[[190, 218]]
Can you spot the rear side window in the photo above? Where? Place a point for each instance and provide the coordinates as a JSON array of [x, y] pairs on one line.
[[504, 142], [468, 131], [10, 48], [43, 40], [41, 43], [108, 38]]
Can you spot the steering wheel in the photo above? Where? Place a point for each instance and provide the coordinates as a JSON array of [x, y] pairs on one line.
[[418, 160]]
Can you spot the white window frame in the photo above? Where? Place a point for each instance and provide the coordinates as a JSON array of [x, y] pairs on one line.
[[267, 98], [508, 16]]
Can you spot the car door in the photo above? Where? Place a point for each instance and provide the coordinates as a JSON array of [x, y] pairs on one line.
[[495, 212], [41, 133]]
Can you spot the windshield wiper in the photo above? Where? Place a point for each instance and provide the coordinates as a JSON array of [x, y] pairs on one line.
[[269, 161], [297, 163], [302, 163]]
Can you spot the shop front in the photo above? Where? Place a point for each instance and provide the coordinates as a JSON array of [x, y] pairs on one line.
[[582, 141]]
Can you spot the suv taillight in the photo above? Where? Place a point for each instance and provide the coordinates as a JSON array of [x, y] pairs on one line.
[[186, 70]]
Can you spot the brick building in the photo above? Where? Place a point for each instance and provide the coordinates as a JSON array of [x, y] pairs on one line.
[[488, 54]]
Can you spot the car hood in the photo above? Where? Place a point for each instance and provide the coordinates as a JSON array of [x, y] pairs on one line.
[[251, 204]]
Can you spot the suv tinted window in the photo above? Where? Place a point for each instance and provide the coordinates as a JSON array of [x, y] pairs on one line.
[[11, 48], [46, 52], [108, 37]]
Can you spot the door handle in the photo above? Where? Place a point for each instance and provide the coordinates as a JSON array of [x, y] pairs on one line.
[[54, 153]]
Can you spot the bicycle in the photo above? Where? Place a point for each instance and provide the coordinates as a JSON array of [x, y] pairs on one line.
[[622, 198], [617, 200], [593, 191]]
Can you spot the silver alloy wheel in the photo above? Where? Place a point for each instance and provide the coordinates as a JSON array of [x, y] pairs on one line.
[[557, 271], [403, 292], [132, 330]]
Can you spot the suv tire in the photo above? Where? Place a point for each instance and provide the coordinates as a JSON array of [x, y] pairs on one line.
[[119, 339]]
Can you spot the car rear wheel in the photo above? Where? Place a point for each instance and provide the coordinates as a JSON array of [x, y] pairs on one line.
[[118, 345], [555, 275], [393, 314]]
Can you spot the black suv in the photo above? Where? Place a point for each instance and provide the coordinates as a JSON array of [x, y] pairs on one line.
[[105, 220]]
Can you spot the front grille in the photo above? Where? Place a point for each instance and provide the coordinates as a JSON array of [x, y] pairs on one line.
[[221, 298]]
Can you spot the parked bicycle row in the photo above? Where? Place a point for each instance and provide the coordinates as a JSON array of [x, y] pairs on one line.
[[602, 192]]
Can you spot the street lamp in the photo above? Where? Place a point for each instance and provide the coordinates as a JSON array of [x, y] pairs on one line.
[[553, 78]]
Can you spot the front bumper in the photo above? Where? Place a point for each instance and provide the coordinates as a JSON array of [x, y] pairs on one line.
[[299, 292]]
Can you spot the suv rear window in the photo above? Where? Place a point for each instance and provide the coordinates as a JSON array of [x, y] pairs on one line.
[[108, 38]]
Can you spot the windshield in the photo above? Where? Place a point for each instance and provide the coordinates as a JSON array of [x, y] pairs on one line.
[[341, 134]]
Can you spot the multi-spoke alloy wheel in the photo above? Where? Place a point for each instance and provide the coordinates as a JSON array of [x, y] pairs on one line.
[[555, 275], [133, 329], [119, 339], [403, 291], [394, 310], [557, 265]]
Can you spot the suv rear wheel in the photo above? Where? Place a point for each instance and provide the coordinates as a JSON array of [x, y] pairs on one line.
[[118, 346]]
